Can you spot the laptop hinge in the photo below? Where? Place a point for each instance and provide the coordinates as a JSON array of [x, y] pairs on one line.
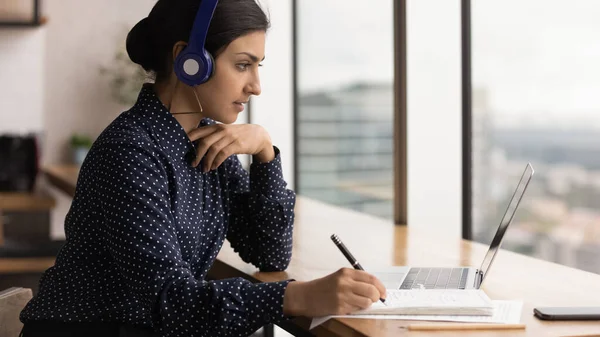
[[478, 278]]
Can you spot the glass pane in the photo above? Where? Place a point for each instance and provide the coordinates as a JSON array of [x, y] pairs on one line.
[[345, 103], [536, 79]]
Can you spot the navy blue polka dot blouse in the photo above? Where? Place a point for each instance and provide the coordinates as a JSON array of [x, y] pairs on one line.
[[145, 227]]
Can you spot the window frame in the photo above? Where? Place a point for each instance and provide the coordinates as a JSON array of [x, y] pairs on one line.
[[467, 145]]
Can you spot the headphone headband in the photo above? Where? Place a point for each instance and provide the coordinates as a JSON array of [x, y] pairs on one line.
[[194, 65], [202, 23]]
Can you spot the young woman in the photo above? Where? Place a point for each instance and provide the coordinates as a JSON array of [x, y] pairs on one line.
[[161, 190]]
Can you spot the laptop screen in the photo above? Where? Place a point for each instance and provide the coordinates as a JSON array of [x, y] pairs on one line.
[[506, 219]]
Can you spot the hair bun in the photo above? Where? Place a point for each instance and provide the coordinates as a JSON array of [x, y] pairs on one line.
[[138, 44]]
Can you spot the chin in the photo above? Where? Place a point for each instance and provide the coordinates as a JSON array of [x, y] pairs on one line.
[[227, 120]]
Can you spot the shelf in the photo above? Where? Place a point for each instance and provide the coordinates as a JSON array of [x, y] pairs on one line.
[[25, 265], [10, 201], [23, 24]]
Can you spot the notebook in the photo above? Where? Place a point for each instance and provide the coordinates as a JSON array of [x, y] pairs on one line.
[[432, 302]]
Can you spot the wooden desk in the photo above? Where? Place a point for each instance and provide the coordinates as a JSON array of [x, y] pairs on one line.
[[25, 202], [378, 243]]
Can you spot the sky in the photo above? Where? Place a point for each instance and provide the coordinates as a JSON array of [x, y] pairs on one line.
[[538, 60], [343, 41]]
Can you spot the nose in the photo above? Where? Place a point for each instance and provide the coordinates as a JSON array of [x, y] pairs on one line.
[[253, 86]]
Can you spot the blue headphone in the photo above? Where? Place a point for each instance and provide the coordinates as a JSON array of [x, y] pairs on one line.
[[194, 65]]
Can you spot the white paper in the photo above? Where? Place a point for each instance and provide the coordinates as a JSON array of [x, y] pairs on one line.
[[432, 302], [505, 312]]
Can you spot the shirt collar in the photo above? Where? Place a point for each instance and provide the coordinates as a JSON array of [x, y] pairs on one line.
[[169, 133]]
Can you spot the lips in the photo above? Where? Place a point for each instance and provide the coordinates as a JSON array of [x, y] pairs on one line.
[[240, 106]]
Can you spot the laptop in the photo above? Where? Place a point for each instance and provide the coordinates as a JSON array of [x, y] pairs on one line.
[[459, 277]]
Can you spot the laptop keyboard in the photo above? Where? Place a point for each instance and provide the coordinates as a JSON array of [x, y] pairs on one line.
[[436, 278]]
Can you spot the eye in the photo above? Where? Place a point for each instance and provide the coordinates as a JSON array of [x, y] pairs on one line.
[[242, 66]]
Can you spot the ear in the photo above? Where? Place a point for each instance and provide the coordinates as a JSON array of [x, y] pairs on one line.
[[178, 47]]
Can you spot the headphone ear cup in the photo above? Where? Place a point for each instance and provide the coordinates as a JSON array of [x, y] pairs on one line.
[[194, 68]]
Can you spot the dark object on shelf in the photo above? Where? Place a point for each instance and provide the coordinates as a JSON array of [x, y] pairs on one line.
[[18, 163]]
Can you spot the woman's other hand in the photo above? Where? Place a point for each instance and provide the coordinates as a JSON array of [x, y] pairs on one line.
[[220, 141]]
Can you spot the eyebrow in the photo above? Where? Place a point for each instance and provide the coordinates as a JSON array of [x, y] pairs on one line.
[[254, 58]]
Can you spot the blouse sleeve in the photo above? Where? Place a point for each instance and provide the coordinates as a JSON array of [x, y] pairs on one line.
[[261, 213]]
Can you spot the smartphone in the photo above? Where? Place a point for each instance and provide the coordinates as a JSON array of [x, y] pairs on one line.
[[567, 313]]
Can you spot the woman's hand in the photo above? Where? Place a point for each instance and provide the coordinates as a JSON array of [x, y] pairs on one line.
[[220, 141], [340, 293]]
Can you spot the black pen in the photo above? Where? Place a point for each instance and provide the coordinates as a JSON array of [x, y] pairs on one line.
[[348, 256]]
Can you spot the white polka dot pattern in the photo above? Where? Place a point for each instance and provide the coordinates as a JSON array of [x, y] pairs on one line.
[[145, 227]]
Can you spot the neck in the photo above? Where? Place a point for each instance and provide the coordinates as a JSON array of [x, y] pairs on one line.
[[186, 111]]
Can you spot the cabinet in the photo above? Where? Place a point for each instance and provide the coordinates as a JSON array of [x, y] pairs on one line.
[[25, 225]]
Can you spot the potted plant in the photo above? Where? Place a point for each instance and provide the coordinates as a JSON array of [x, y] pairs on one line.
[[80, 145], [125, 78]]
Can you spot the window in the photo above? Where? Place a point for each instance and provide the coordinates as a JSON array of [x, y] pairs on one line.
[[535, 85], [345, 103]]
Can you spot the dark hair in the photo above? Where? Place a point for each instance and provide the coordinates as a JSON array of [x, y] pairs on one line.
[[150, 42]]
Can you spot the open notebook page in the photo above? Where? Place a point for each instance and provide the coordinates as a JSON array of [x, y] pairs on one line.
[[433, 302], [505, 312]]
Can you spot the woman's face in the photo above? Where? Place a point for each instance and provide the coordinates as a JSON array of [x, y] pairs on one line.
[[234, 80]]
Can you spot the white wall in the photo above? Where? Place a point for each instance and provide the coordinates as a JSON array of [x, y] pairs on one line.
[[273, 109], [434, 115], [21, 80], [49, 75], [82, 36]]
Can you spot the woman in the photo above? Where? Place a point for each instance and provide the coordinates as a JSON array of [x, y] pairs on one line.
[[161, 190]]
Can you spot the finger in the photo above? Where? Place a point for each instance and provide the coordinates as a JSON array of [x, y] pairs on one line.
[[348, 302], [365, 290], [363, 276], [223, 155], [359, 302], [202, 132], [381, 288], [347, 310], [205, 143], [215, 151]]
